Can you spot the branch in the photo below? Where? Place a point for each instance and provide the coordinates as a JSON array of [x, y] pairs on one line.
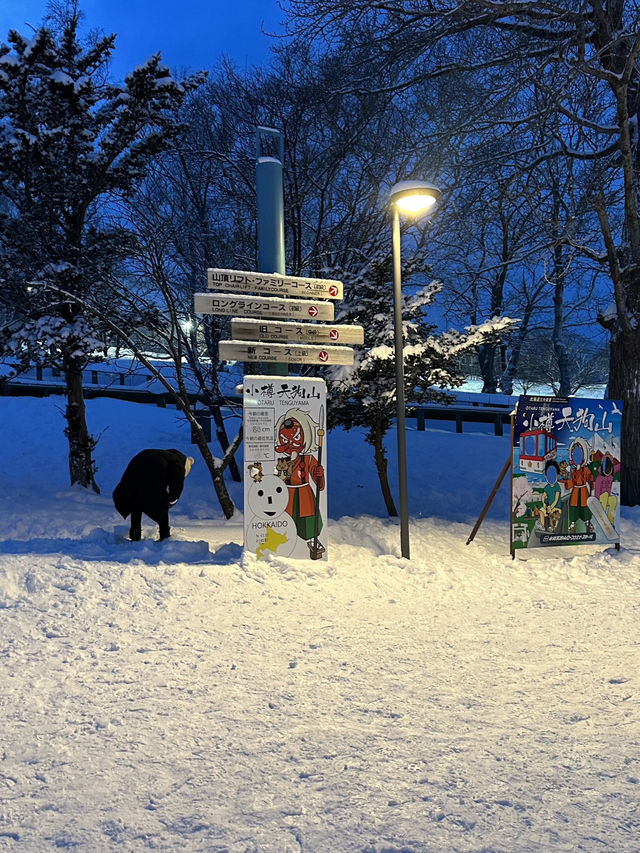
[[231, 451], [614, 266]]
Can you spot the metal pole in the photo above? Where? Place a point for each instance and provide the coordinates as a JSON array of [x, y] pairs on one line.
[[400, 404], [270, 203], [270, 198]]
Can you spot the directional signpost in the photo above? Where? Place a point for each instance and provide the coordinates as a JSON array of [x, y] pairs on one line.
[[260, 314], [264, 330], [275, 284], [283, 353], [284, 418], [262, 306]]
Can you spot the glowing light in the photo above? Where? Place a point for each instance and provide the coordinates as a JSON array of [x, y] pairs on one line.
[[414, 196], [415, 203]]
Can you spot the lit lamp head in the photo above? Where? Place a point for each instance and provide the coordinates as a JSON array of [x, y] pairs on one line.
[[413, 197]]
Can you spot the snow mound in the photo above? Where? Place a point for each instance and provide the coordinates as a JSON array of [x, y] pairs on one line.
[[150, 551], [111, 546]]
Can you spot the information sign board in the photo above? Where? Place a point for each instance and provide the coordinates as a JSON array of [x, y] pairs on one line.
[[262, 306], [565, 487], [285, 467], [274, 283], [264, 330], [283, 353]]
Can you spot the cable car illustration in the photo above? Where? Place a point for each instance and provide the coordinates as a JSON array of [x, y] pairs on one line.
[[537, 447]]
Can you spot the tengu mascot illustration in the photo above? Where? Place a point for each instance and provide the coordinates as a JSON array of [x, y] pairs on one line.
[[152, 482], [298, 468]]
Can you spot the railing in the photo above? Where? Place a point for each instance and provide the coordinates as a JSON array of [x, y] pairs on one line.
[[493, 409], [139, 387]]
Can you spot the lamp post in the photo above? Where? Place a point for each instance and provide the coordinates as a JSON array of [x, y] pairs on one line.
[[409, 197]]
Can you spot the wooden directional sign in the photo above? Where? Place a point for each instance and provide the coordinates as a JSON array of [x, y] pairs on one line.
[[270, 330], [283, 353], [275, 284], [262, 306]]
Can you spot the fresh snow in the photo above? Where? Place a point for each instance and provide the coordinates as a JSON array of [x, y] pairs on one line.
[[183, 696], [61, 77]]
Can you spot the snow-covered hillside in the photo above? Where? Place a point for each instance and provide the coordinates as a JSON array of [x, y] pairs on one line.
[[182, 696]]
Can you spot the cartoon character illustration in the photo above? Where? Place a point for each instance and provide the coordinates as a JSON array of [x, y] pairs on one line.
[[521, 533], [255, 471], [565, 485], [297, 438], [284, 468], [269, 527], [268, 497], [551, 509], [603, 487], [579, 484]]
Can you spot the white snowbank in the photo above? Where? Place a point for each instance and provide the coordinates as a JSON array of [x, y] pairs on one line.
[[183, 696]]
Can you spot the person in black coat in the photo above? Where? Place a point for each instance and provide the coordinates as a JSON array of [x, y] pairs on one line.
[[152, 482]]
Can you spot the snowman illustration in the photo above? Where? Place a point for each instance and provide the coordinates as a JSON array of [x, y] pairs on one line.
[[270, 528]]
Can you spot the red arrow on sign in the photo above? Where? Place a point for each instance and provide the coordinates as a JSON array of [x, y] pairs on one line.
[[334, 334], [313, 311], [323, 356], [333, 290]]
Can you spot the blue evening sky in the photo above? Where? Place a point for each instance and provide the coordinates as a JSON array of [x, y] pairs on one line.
[[190, 34]]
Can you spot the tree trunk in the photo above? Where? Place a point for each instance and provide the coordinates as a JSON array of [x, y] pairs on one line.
[[559, 346], [506, 382], [81, 445], [487, 361], [565, 374], [211, 391], [217, 473], [223, 440], [376, 437], [511, 368], [624, 385]]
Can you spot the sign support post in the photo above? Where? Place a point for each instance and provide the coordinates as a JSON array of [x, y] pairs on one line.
[[485, 508], [270, 194], [284, 418]]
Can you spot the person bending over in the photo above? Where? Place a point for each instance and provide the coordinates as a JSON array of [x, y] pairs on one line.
[[151, 484]]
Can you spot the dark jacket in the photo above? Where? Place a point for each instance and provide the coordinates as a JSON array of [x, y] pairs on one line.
[[152, 481]]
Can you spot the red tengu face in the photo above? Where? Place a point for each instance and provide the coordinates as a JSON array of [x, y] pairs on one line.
[[290, 437]]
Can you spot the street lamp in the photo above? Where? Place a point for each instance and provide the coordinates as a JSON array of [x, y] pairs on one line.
[[412, 198]]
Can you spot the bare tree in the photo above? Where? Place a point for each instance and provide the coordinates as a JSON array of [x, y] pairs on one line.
[[152, 321], [539, 364], [590, 50]]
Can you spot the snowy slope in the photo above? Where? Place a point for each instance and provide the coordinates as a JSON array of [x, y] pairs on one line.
[[184, 696]]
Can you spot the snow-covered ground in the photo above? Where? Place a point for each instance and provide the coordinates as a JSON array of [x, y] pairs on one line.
[[182, 696]]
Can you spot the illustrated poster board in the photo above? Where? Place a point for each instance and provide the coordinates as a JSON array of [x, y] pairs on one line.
[[565, 484], [285, 464]]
